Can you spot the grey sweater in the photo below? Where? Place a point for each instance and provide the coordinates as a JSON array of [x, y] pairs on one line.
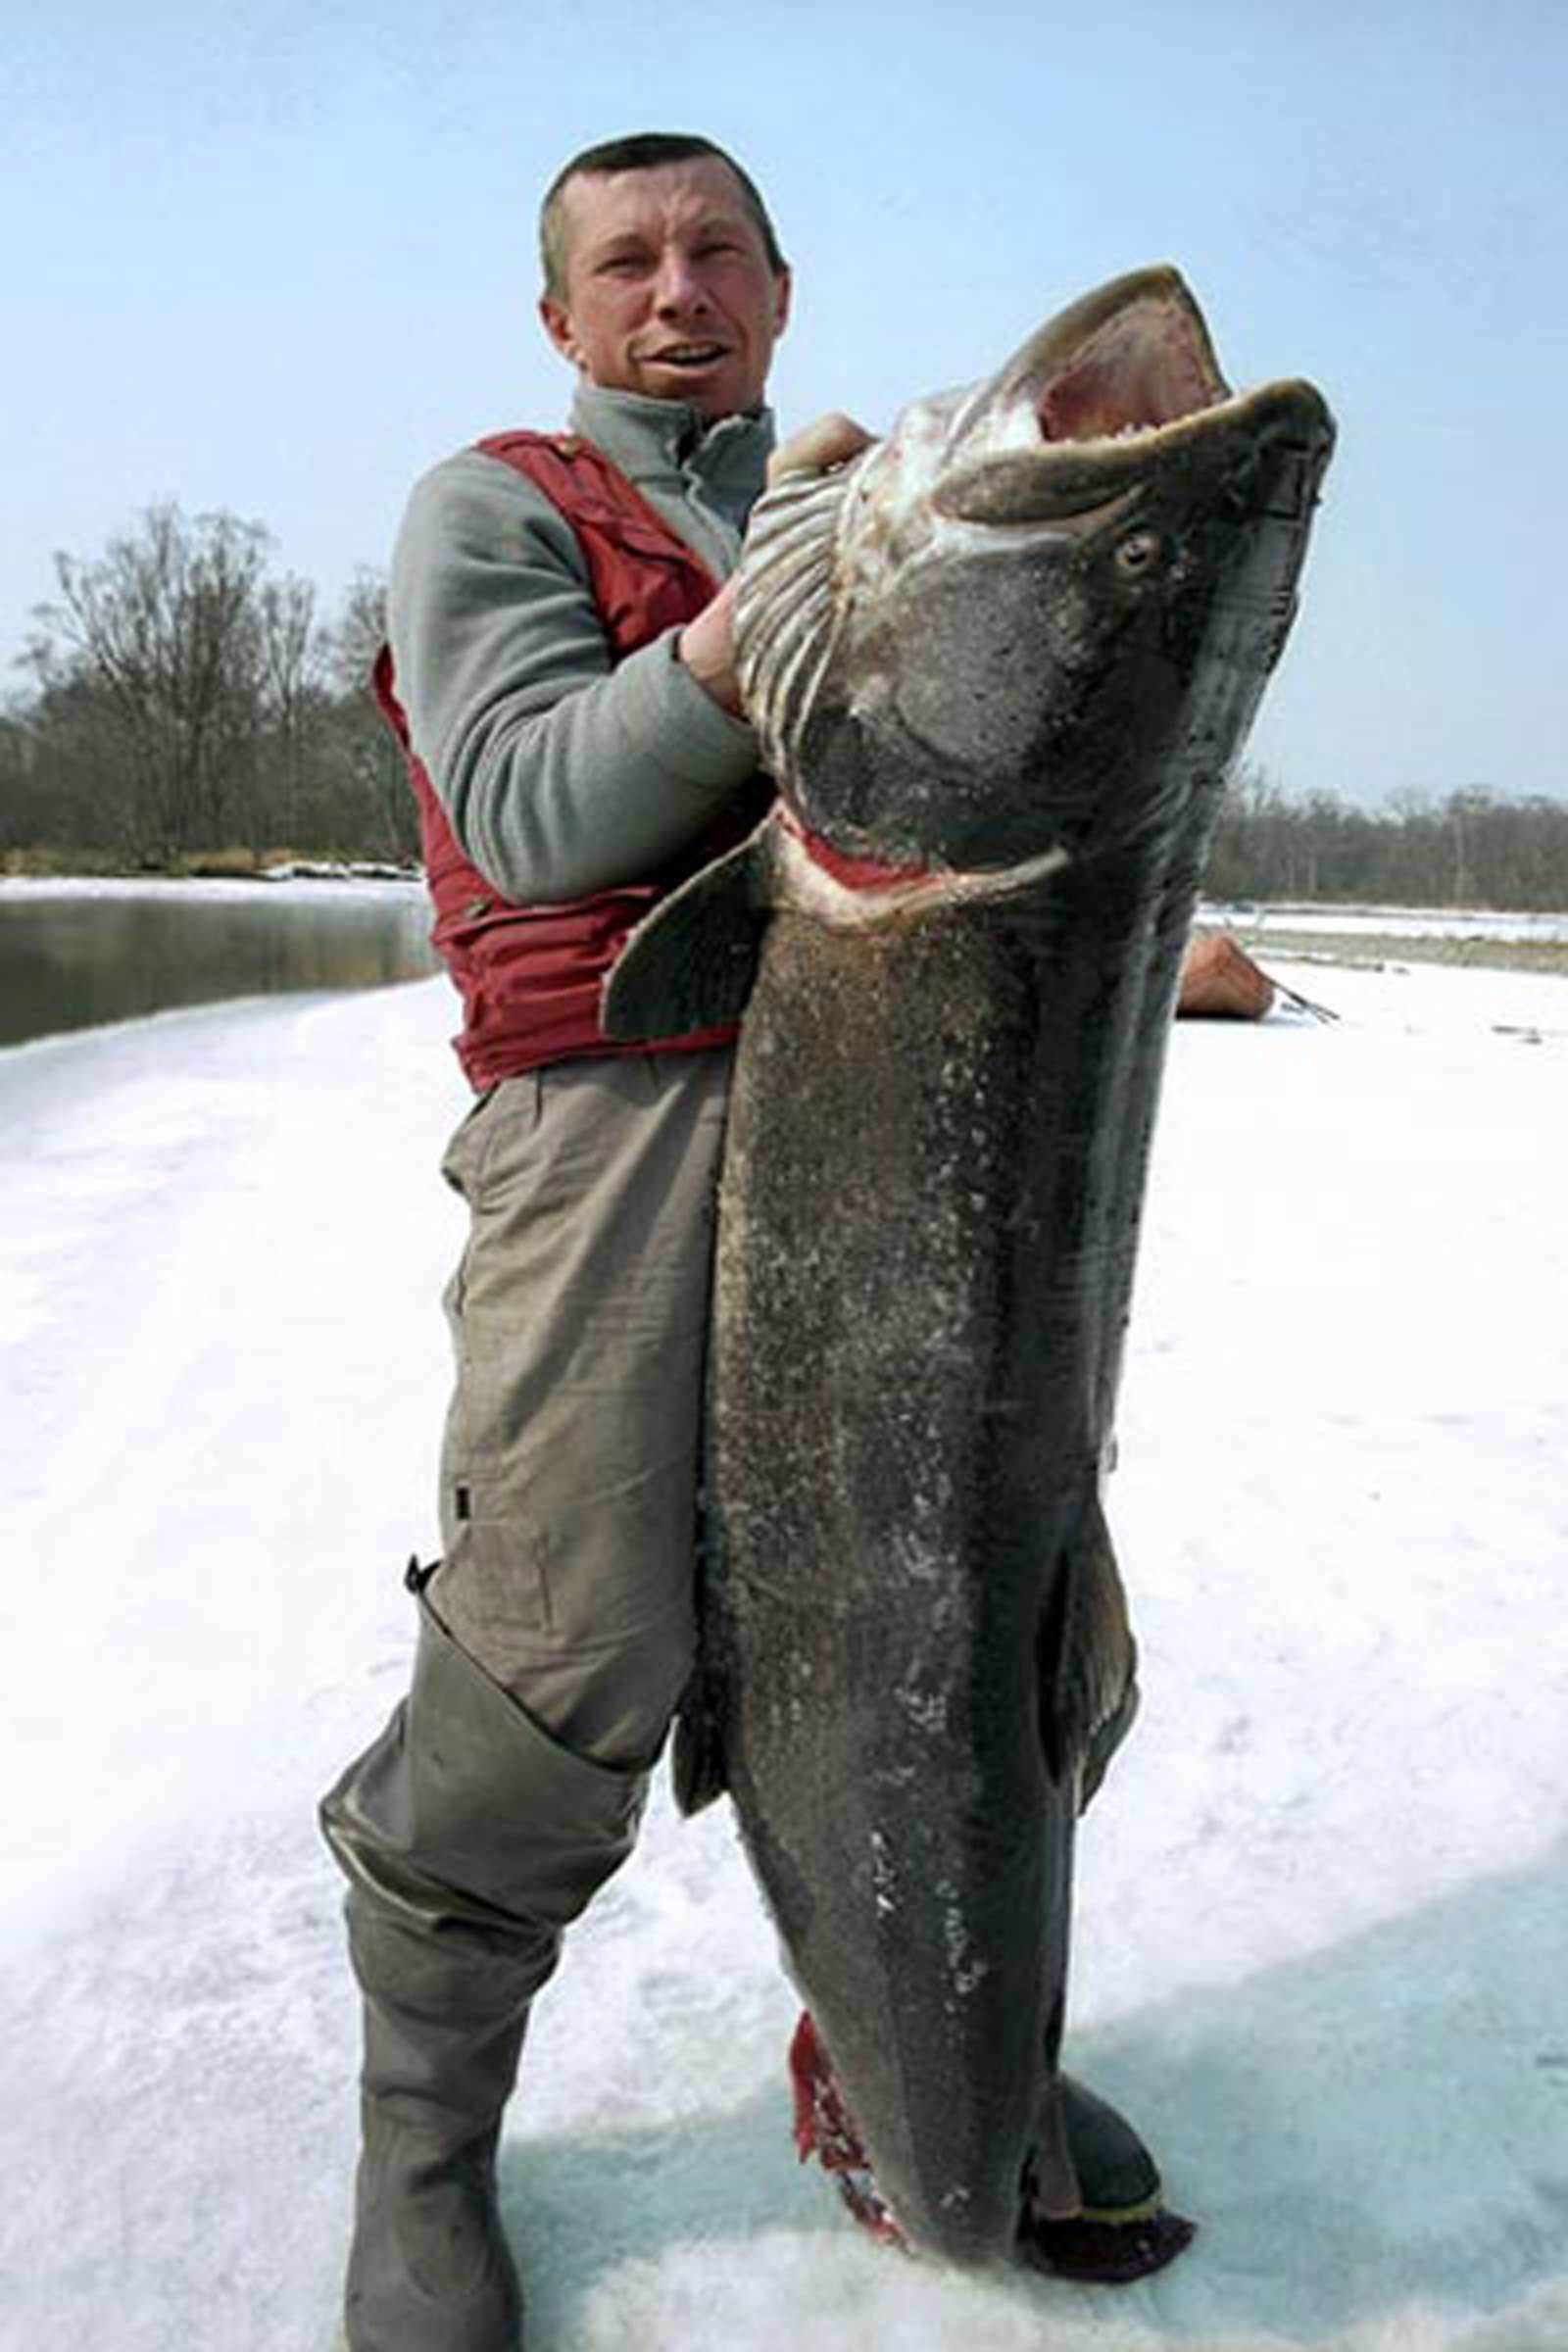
[[559, 773]]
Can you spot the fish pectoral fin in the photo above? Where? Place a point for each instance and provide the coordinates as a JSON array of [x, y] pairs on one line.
[[690, 964], [1087, 1660]]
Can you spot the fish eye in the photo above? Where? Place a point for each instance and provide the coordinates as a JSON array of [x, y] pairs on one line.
[[1137, 552]]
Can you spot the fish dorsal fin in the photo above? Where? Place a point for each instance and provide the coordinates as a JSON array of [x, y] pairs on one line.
[[785, 610], [690, 964]]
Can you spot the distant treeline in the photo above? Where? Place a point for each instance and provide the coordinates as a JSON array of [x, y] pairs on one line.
[[187, 702], [1473, 848]]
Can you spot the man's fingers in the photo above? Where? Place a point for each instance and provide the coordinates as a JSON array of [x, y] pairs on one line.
[[707, 648], [830, 440]]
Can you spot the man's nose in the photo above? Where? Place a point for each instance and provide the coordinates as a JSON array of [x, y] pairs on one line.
[[679, 286]]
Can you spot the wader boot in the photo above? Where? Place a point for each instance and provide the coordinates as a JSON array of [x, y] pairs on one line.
[[470, 1838]]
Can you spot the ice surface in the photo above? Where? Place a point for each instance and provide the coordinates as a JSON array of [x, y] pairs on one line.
[[1320, 1952]]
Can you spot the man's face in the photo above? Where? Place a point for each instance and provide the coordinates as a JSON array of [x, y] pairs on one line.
[[668, 290]]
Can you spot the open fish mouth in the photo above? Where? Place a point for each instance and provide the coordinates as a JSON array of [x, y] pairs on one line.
[[1145, 365], [1125, 377]]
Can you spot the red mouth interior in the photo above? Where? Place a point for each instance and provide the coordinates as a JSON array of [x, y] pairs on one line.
[[1145, 367]]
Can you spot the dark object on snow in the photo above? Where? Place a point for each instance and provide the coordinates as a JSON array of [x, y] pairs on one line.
[[999, 666], [1221, 982]]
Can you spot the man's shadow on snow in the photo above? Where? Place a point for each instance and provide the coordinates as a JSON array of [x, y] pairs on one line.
[[1382, 2123]]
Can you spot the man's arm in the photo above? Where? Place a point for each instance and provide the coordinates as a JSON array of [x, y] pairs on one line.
[[559, 773]]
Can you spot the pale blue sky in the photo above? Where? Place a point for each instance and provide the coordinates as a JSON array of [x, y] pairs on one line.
[[278, 258]]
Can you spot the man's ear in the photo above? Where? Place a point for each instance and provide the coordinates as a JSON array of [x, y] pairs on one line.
[[783, 287], [555, 319]]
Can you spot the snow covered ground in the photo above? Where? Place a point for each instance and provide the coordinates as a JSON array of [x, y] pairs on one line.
[[1321, 1947], [1411, 923]]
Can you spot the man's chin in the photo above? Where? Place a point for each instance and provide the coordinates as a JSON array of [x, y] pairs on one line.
[[714, 391]]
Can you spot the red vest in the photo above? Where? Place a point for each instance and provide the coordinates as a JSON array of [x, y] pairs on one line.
[[529, 975]]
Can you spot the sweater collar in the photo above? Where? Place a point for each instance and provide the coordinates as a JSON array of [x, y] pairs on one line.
[[648, 439]]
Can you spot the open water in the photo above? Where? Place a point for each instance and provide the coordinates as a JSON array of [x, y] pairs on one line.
[[78, 953]]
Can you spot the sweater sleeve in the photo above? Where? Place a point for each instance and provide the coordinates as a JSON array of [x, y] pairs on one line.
[[560, 772]]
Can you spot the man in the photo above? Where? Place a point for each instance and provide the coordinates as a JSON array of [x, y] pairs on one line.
[[561, 669]]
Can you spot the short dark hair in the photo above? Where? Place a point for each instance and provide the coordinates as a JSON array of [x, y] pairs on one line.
[[642, 151]]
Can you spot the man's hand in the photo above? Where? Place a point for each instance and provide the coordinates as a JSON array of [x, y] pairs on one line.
[[707, 648], [706, 645], [832, 440]]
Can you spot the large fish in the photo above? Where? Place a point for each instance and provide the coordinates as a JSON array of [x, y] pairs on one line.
[[999, 667]]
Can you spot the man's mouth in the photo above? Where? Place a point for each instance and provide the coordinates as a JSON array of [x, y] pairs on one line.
[[689, 355]]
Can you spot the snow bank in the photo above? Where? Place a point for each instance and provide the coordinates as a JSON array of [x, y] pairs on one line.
[[1321, 1908]]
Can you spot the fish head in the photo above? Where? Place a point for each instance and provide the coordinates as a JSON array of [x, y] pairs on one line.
[[1045, 605]]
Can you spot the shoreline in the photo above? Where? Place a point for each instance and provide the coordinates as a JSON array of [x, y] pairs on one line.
[[1386, 951]]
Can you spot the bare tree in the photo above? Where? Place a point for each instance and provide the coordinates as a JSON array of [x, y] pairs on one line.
[[163, 632], [291, 656], [370, 764], [355, 637]]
